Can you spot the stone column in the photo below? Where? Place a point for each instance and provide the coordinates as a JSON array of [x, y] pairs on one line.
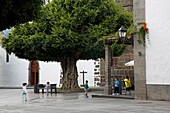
[[139, 52], [108, 86], [127, 4]]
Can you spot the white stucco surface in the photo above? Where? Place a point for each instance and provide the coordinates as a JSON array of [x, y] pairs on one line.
[[158, 44], [15, 72]]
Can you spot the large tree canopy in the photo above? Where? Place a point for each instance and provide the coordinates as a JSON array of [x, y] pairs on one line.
[[13, 12], [66, 31]]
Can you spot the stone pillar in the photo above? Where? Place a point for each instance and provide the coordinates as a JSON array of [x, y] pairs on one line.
[[108, 86], [139, 52], [127, 4]]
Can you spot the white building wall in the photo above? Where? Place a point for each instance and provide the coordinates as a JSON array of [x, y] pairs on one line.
[[87, 66], [15, 72], [49, 72], [158, 45]]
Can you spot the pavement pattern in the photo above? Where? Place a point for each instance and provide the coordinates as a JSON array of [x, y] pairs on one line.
[[11, 102]]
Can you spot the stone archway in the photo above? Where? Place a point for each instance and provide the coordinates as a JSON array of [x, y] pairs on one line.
[[33, 77]]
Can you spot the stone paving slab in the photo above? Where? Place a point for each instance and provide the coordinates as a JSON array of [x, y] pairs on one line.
[[11, 102]]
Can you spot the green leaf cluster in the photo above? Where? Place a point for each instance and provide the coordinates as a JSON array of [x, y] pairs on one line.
[[68, 28], [14, 12], [117, 49]]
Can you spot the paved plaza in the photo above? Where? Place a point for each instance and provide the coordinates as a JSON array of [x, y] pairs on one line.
[[11, 102]]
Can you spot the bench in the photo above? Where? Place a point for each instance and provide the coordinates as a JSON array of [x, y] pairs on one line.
[[40, 87], [53, 86]]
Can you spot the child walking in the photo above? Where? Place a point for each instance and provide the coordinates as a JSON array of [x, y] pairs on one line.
[[47, 88], [86, 88], [24, 91]]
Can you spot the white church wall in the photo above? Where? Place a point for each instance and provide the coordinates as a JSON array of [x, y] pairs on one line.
[[158, 44], [87, 66], [15, 72], [50, 71]]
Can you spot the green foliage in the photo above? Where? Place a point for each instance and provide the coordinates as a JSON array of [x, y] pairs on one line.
[[131, 29], [13, 12], [117, 49], [68, 28], [142, 32]]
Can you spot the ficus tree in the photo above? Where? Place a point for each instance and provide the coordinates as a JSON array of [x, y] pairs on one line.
[[67, 31]]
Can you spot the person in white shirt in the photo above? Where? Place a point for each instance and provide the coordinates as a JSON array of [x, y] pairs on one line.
[[24, 91], [47, 88]]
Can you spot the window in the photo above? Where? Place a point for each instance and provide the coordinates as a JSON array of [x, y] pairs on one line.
[[97, 66], [96, 73]]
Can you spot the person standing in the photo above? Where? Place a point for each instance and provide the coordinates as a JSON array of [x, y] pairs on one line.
[[47, 88], [127, 85], [24, 91], [86, 88], [116, 85]]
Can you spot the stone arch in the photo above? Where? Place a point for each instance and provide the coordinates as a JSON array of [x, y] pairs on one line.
[[33, 75]]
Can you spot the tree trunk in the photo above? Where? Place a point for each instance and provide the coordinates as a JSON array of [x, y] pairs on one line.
[[70, 74]]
